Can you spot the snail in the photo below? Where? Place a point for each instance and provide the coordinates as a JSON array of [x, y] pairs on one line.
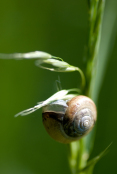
[[67, 121]]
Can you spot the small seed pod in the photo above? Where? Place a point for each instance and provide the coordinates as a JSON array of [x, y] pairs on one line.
[[69, 121]]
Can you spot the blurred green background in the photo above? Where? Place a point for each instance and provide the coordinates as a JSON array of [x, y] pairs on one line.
[[59, 28]]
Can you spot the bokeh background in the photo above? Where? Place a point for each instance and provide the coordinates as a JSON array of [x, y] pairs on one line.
[[59, 28]]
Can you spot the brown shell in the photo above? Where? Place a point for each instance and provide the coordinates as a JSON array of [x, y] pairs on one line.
[[78, 108], [59, 125]]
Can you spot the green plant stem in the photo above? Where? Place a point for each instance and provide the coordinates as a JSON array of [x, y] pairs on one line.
[[84, 146], [95, 13]]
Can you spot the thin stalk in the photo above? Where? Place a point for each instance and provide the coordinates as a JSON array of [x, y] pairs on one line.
[[95, 13], [83, 147]]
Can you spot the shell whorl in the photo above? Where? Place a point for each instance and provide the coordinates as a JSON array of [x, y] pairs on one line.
[[81, 120]]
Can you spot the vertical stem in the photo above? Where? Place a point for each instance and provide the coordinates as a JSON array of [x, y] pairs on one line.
[[95, 12], [80, 150]]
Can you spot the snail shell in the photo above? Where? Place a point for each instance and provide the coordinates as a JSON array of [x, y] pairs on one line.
[[69, 121]]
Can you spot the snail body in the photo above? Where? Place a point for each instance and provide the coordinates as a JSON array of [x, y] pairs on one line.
[[69, 121]]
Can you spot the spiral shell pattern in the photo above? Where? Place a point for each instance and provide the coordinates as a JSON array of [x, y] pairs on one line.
[[82, 120]]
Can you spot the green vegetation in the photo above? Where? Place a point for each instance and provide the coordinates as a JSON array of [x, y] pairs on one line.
[[91, 67]]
